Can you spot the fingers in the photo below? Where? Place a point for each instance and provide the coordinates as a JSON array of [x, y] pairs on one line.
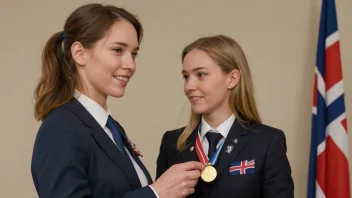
[[191, 175], [188, 183], [189, 170], [188, 187], [187, 191], [192, 165], [179, 180], [192, 183]]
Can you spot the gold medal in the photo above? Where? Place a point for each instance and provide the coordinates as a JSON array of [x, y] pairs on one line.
[[209, 173]]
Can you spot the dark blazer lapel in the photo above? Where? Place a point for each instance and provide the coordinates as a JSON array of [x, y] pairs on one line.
[[231, 149], [133, 154], [189, 153], [104, 142], [141, 165]]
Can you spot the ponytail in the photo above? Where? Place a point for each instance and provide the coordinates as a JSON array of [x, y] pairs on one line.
[[87, 24], [58, 80]]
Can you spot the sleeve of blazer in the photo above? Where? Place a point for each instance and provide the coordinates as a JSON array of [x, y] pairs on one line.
[[146, 192], [277, 180], [60, 163], [162, 164]]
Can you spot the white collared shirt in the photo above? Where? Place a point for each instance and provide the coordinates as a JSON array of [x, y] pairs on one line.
[[101, 115], [223, 129]]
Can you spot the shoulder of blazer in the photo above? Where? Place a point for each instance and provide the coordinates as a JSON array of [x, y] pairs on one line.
[[58, 117], [61, 116], [170, 137], [256, 127], [175, 133], [267, 132], [59, 128], [71, 113]]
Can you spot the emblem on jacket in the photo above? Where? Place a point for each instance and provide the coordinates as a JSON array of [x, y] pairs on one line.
[[229, 149], [244, 167], [134, 148], [191, 148]]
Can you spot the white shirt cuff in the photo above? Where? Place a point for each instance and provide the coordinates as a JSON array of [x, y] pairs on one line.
[[156, 194]]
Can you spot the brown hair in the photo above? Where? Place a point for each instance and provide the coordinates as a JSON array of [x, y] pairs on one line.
[[228, 55], [59, 78]]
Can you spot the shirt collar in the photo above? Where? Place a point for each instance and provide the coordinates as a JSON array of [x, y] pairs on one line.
[[223, 128], [99, 113]]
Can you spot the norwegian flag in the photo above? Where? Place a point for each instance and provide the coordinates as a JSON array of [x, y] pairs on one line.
[[328, 167], [242, 167]]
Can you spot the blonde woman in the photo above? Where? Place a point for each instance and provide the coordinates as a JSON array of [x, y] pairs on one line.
[[243, 157]]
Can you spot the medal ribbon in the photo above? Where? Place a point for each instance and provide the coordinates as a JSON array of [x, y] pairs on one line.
[[201, 154]]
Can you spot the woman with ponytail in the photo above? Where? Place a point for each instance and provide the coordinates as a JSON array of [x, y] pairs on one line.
[[244, 158], [80, 151]]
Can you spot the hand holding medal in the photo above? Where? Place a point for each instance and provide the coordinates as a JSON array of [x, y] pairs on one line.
[[179, 180]]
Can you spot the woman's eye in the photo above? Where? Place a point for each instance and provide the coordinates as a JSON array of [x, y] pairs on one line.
[[134, 54], [118, 50], [201, 74]]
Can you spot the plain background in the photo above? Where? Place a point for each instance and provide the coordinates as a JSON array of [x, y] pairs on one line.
[[278, 37]]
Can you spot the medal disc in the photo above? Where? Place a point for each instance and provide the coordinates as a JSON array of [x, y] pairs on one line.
[[209, 173]]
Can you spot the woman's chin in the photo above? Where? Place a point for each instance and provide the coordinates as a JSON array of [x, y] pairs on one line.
[[117, 93], [197, 110]]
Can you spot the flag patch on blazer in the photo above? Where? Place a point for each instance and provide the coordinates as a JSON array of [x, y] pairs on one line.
[[244, 167]]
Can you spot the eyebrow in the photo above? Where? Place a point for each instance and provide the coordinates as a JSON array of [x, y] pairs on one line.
[[195, 69], [123, 44]]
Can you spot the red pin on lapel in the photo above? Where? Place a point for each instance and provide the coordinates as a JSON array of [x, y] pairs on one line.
[[134, 148]]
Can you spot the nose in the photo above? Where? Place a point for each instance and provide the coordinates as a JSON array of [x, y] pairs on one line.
[[129, 62], [190, 85]]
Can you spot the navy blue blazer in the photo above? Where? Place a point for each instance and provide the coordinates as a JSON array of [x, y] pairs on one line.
[[73, 157], [270, 177]]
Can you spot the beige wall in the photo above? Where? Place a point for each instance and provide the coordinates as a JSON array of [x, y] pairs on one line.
[[279, 38]]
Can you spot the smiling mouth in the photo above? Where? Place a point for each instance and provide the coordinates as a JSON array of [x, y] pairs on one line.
[[195, 97], [122, 78]]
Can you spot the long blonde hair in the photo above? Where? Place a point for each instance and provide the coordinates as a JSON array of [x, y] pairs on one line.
[[228, 55]]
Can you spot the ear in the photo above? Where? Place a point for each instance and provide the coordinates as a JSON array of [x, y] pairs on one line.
[[77, 52], [234, 78]]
